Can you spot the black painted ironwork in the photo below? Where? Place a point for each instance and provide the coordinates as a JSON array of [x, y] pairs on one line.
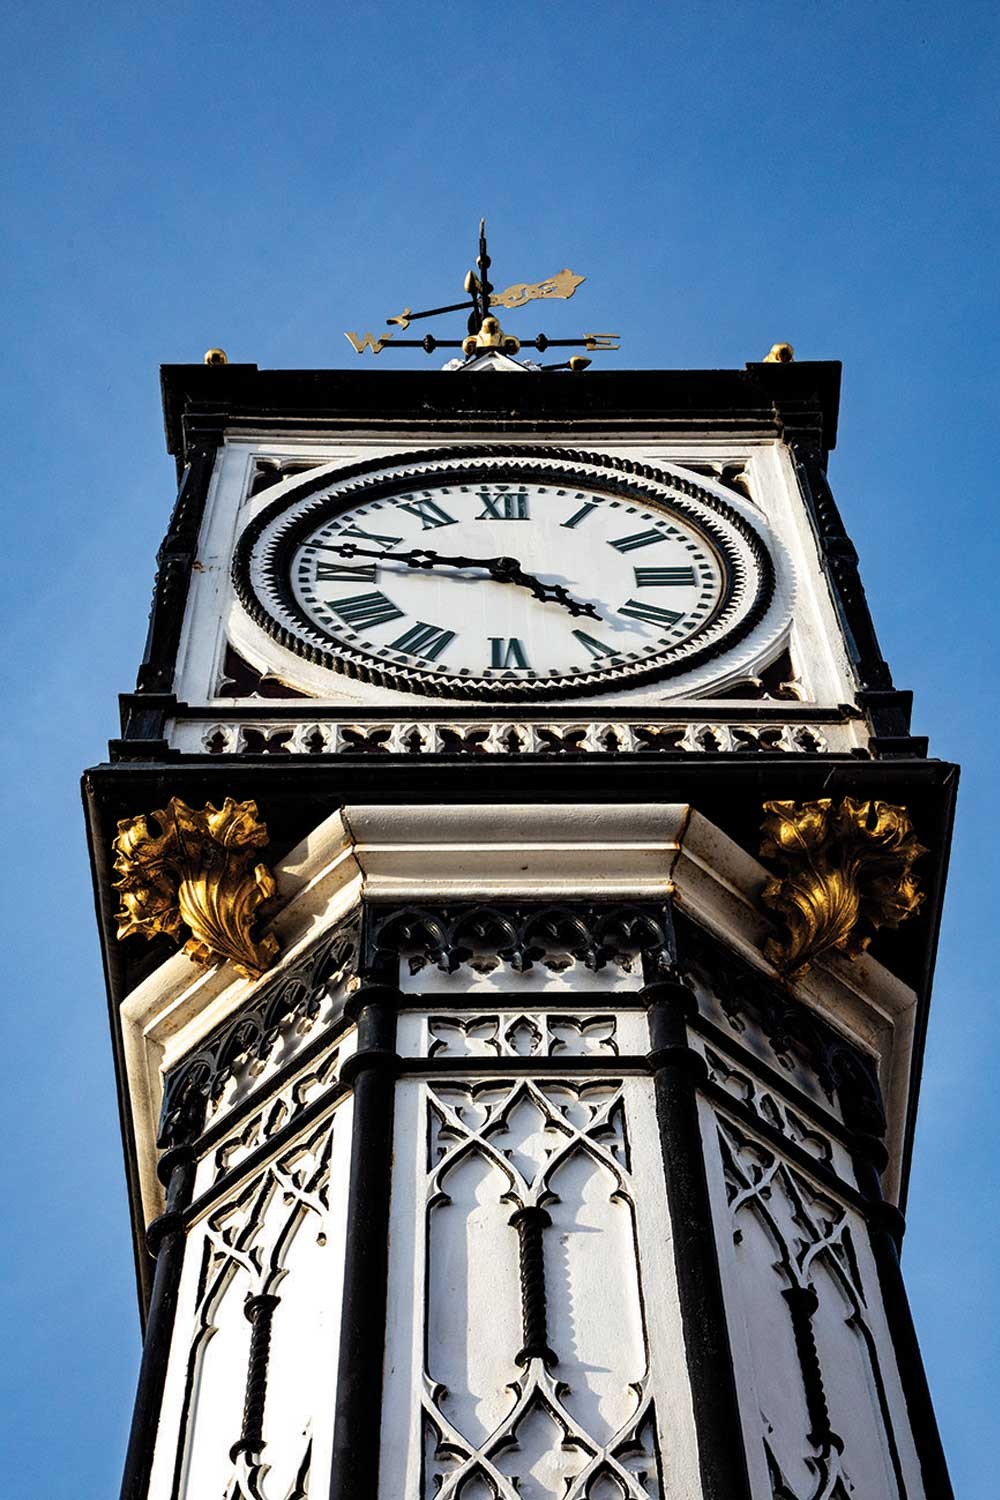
[[260, 1314], [484, 935], [294, 995], [676, 1072], [166, 1239], [530, 1223], [370, 1072]]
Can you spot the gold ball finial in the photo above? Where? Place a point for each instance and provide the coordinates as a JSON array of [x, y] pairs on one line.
[[216, 357], [779, 354]]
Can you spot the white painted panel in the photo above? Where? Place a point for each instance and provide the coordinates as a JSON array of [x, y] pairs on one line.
[[582, 1032], [461, 1418], [474, 1299], [576, 979], [592, 1275], [278, 1232], [217, 1364], [781, 1231]]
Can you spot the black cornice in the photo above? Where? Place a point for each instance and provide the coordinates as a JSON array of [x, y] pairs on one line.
[[798, 400]]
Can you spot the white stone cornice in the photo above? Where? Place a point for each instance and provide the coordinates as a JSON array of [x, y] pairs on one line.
[[638, 851]]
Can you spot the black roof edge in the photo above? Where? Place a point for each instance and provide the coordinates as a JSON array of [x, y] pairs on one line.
[[200, 402]]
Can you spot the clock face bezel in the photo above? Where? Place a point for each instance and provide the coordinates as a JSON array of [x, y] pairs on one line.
[[261, 568]]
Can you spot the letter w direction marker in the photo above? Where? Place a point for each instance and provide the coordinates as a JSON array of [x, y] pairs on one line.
[[368, 341]]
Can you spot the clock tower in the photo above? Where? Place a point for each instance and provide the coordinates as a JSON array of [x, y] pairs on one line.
[[519, 888]]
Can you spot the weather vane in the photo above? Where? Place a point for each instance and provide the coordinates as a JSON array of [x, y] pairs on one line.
[[485, 332]]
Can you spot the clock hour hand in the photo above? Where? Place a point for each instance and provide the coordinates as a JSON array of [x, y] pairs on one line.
[[509, 570], [502, 569]]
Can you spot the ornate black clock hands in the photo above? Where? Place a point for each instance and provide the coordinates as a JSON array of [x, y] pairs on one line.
[[501, 569]]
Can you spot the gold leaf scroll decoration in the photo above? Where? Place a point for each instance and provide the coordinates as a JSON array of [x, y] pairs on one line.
[[846, 870], [200, 872]]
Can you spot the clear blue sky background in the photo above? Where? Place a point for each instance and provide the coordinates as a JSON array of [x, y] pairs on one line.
[[265, 176]]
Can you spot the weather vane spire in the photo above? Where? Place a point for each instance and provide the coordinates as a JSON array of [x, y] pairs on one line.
[[484, 331]]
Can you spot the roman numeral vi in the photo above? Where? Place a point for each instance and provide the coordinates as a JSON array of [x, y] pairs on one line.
[[506, 654]]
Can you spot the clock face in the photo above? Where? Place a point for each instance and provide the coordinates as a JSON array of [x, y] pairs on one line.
[[515, 574]]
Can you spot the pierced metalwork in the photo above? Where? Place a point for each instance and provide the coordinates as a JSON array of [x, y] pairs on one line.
[[486, 935]]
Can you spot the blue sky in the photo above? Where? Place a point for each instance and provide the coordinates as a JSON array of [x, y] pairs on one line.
[[263, 177]]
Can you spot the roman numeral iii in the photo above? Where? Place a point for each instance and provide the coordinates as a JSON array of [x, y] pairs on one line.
[[423, 640], [362, 611], [661, 578]]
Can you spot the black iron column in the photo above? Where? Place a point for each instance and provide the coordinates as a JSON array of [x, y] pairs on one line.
[[165, 1239], [371, 1072], [677, 1069]]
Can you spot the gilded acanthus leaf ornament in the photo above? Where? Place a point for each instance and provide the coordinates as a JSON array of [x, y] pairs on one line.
[[847, 869], [199, 872]]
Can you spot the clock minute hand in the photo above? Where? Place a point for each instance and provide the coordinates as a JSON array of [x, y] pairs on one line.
[[502, 569]]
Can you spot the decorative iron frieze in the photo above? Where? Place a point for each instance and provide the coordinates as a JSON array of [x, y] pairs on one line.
[[478, 737], [486, 935], [291, 1002], [200, 872], [847, 869]]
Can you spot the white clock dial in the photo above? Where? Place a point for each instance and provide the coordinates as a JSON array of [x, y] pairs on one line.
[[635, 579], [516, 576]]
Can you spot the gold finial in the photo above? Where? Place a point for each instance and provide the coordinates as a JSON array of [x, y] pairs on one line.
[[578, 362], [216, 357], [779, 354], [846, 870], [490, 336]]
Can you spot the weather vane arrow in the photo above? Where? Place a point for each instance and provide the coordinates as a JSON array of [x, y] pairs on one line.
[[484, 330]]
